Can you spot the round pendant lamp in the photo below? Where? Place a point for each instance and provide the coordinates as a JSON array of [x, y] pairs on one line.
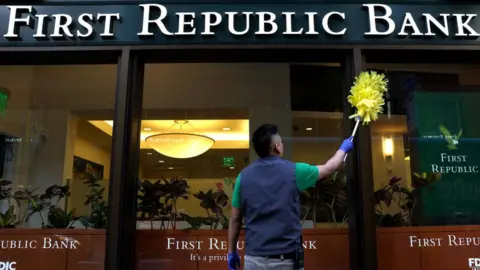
[[177, 143]]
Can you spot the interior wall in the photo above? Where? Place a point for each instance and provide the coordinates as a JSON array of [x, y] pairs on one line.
[[93, 145], [17, 79], [42, 113], [211, 85], [197, 86], [317, 152], [387, 168]]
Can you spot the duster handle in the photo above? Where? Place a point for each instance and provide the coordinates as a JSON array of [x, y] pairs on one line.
[[353, 135]]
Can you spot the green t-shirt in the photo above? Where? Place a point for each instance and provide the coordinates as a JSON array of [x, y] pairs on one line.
[[305, 175]]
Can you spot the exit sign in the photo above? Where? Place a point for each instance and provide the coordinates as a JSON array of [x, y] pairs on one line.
[[229, 162], [3, 103]]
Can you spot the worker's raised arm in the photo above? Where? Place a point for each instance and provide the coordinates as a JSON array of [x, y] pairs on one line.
[[308, 175], [234, 227], [336, 161]]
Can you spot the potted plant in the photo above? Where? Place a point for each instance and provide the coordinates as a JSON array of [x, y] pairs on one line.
[[150, 204], [97, 218], [158, 200], [216, 204], [404, 198], [213, 202], [48, 201], [8, 219], [327, 201]]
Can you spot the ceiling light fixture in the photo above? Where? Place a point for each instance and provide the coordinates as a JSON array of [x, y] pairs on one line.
[[161, 161], [149, 153], [170, 168], [226, 128], [147, 129], [309, 129], [177, 143]]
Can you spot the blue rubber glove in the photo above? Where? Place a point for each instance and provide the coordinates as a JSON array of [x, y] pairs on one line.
[[347, 145], [233, 261]]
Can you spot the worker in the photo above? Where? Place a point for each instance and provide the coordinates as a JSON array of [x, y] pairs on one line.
[[266, 194]]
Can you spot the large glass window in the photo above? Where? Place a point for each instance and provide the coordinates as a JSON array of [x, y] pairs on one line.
[[195, 140], [55, 163], [425, 161]]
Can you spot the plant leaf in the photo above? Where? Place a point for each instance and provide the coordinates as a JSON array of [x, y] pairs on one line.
[[394, 180], [460, 133]]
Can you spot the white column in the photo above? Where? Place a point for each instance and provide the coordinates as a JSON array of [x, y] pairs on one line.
[[52, 142], [51, 136]]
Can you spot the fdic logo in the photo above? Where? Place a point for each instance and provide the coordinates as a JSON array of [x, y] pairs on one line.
[[473, 263], [8, 265]]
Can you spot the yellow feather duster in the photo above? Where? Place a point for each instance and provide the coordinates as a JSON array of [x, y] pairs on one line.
[[366, 95]]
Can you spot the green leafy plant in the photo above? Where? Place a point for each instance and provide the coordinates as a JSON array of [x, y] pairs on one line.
[[227, 186], [5, 191], [176, 188], [392, 192], [59, 219], [307, 204], [218, 204], [333, 196], [391, 220], [97, 218], [421, 180], [8, 219], [33, 204], [158, 200], [151, 205], [327, 201], [47, 201], [213, 202], [403, 198], [197, 222]]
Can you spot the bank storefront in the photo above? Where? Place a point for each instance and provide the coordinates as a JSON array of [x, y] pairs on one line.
[[123, 127]]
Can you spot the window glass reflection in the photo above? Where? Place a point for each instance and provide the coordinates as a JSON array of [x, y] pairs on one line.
[[195, 137], [425, 149]]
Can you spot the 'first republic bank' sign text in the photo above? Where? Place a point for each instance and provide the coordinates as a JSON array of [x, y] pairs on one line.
[[234, 23]]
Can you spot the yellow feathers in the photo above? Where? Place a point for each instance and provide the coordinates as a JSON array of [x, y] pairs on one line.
[[366, 95]]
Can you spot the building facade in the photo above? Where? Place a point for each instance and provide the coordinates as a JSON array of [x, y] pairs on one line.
[[125, 125]]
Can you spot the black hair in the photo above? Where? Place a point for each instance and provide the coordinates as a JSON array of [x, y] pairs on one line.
[[262, 139]]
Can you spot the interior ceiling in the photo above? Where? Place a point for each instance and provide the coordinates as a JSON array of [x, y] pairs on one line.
[[227, 133], [235, 133], [232, 140]]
